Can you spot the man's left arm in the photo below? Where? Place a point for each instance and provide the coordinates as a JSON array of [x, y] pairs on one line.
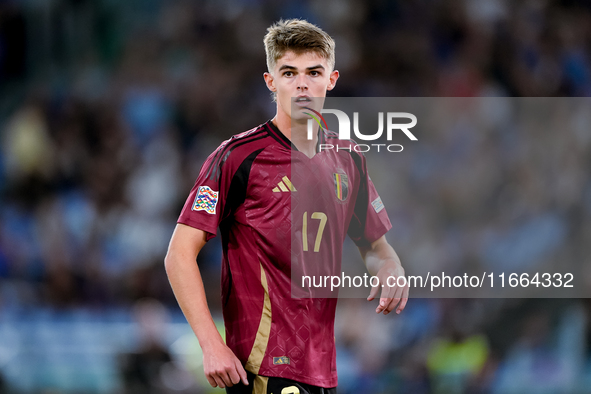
[[382, 261]]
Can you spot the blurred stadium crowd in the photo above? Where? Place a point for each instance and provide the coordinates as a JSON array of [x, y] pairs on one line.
[[108, 109]]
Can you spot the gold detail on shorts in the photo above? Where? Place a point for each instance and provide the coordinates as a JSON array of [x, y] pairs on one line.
[[253, 364], [290, 390]]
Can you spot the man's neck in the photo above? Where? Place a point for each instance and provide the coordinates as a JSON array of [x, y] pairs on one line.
[[298, 134]]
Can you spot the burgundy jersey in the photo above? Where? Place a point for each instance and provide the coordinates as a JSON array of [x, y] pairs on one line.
[[276, 210]]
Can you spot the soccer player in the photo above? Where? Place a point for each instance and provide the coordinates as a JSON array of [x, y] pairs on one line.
[[273, 218]]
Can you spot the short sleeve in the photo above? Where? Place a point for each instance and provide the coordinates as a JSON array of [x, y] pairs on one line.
[[204, 208], [370, 220]]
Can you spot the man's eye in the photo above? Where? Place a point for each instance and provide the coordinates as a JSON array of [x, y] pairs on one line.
[[288, 73], [314, 73]]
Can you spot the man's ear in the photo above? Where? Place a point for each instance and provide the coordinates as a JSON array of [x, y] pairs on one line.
[[270, 81], [334, 75]]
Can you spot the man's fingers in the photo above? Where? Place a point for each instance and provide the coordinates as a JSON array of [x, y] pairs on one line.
[[386, 292], [386, 297], [395, 300], [373, 292], [219, 381], [404, 300], [211, 380], [223, 369], [228, 377], [234, 376], [402, 305], [390, 297], [241, 373]]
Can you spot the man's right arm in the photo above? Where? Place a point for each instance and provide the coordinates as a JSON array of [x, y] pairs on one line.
[[222, 368]]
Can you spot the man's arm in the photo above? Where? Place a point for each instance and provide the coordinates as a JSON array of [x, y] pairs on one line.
[[222, 367], [382, 261]]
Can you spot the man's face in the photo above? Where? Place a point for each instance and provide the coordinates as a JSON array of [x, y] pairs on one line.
[[296, 79]]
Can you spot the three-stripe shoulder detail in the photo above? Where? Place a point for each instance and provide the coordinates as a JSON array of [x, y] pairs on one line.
[[224, 151]]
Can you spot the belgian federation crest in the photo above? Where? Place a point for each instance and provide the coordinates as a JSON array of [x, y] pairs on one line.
[[341, 186]]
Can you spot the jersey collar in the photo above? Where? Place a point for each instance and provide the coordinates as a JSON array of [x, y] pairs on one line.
[[286, 142]]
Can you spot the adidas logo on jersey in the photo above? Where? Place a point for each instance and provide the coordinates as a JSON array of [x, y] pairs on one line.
[[284, 185]]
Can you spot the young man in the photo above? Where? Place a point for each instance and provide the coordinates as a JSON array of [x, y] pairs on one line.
[[277, 343]]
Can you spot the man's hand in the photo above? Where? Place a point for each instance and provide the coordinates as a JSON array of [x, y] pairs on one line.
[[222, 368], [382, 261], [392, 296]]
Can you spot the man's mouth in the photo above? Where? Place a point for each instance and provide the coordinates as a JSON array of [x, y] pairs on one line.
[[303, 99]]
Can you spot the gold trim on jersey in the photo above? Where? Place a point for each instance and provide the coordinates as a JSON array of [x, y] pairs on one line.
[[260, 385], [253, 364]]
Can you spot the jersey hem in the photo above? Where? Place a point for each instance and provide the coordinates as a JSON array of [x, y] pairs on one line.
[[325, 383]]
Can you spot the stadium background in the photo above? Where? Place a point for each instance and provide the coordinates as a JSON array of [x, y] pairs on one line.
[[108, 109]]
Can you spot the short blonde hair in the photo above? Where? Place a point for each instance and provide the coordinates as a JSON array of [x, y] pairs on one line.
[[299, 36]]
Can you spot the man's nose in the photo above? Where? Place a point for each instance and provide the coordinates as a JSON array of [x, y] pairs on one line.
[[302, 83]]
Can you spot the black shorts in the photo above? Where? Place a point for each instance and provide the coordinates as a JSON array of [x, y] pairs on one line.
[[264, 385]]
